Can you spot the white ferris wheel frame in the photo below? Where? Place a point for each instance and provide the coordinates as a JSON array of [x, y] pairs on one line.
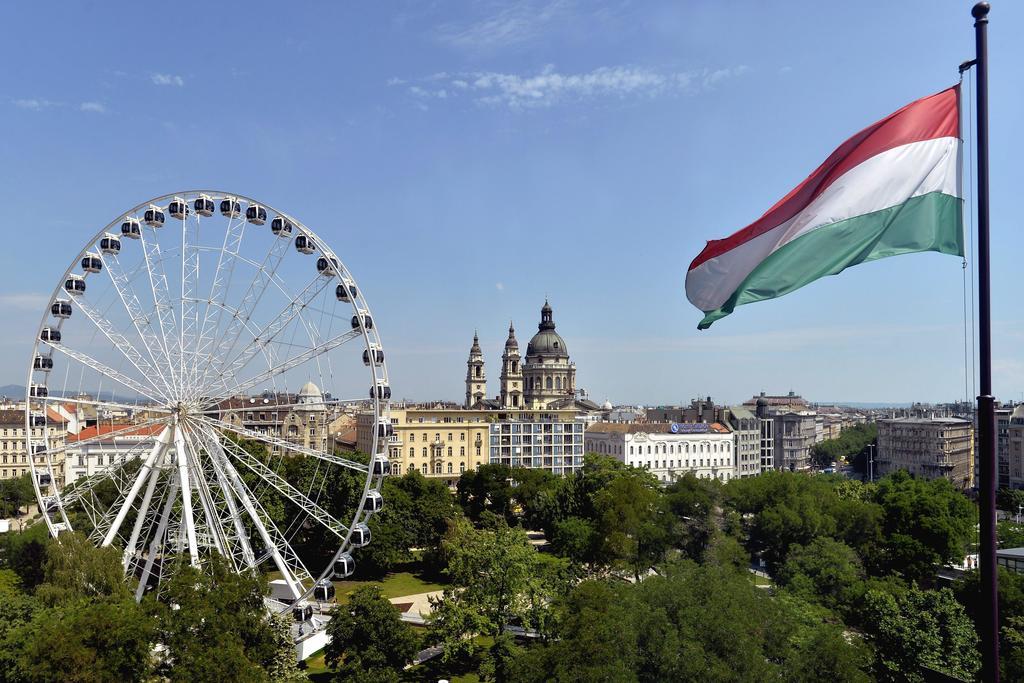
[[171, 387]]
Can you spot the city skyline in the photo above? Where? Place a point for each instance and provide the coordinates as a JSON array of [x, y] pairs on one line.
[[492, 156]]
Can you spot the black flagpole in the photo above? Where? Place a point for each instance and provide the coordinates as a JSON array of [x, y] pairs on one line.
[[986, 402]]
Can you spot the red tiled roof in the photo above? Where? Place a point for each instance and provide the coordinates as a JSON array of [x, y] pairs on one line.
[[99, 430]]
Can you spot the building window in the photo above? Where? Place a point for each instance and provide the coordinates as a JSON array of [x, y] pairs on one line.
[[424, 454], [449, 453], [412, 451], [462, 436], [462, 467], [424, 468], [449, 468], [462, 450]]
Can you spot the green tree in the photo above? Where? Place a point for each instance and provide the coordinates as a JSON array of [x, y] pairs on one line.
[[692, 501], [487, 488], [920, 629], [214, 625], [925, 524], [632, 520], [1010, 534], [826, 571], [577, 540], [15, 494], [369, 642], [76, 569], [88, 642], [498, 579]]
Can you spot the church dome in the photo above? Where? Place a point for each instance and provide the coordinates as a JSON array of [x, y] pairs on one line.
[[310, 390], [547, 342], [607, 405]]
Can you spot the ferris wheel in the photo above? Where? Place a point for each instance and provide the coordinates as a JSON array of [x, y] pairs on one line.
[[193, 380]]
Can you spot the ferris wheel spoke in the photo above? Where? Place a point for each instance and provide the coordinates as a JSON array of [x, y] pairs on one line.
[[324, 518], [188, 330], [208, 439], [150, 391], [112, 405], [286, 445], [253, 295], [142, 516], [285, 559], [118, 340], [204, 474], [267, 334], [162, 304], [294, 362], [184, 475], [158, 538], [156, 454], [214, 310], [140, 321]]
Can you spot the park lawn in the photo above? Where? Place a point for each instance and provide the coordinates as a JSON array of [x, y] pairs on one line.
[[408, 581]]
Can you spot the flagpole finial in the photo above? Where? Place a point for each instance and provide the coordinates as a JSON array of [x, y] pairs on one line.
[[980, 11]]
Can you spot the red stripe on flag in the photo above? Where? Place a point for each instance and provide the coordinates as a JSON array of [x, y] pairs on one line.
[[935, 116]]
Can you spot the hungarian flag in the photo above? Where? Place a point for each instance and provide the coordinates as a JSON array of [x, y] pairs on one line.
[[893, 188]]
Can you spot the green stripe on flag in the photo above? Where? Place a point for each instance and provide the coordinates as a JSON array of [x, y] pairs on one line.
[[930, 222]]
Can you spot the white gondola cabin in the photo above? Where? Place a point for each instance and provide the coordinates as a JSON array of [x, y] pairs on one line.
[[178, 208], [42, 363], [37, 420], [204, 206], [381, 465], [256, 214], [75, 285], [110, 244], [50, 335], [373, 356], [344, 566], [360, 535], [38, 391], [362, 320], [374, 501], [327, 266], [154, 216], [131, 228], [92, 263], [302, 612], [230, 208], [304, 244], [281, 227], [345, 292], [380, 391], [61, 308], [324, 590]]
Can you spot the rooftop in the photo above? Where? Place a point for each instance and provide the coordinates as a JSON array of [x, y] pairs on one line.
[[659, 428]]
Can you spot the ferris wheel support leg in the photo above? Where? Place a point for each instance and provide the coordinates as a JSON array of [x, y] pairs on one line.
[[268, 542], [157, 451], [186, 495], [147, 497], [216, 453], [213, 523], [154, 545]]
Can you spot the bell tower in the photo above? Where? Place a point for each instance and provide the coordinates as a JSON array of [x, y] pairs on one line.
[[511, 373], [476, 380]]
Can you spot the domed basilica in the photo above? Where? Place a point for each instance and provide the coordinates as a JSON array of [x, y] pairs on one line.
[[545, 378]]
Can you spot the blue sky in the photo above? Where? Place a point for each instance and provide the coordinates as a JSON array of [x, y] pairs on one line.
[[467, 159]]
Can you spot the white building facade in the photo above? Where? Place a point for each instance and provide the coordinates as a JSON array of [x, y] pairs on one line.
[[88, 453], [668, 450]]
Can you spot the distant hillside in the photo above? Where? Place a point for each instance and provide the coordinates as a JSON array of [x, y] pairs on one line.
[[16, 392]]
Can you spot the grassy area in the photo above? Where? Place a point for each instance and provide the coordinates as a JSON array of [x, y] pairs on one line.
[[433, 670], [408, 580], [760, 580]]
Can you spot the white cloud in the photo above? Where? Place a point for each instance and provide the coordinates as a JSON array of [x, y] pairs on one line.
[[94, 107], [34, 104], [515, 24], [550, 86], [167, 79], [500, 286]]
